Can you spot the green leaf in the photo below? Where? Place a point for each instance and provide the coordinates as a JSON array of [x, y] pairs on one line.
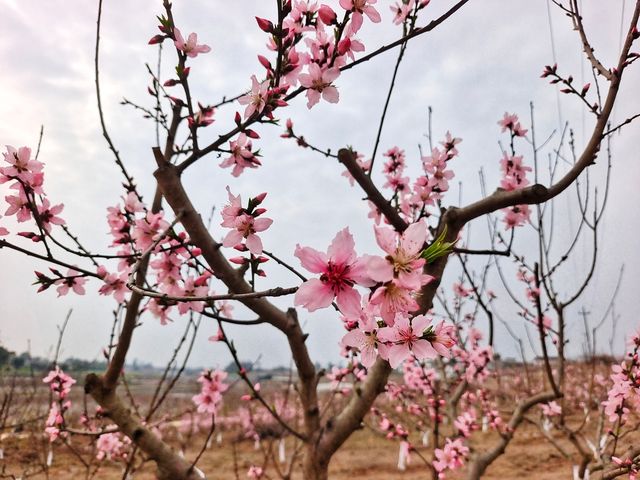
[[439, 248]]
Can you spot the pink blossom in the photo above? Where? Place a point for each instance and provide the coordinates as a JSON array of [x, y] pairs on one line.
[[59, 382], [551, 409], [244, 223], [19, 206], [114, 284], [466, 423], [255, 472], [406, 339], [442, 338], [159, 310], [401, 11], [364, 338], [74, 280], [48, 215], [190, 47], [450, 143], [148, 230], [340, 269], [451, 456], [318, 83], [256, 99], [327, 15], [132, 203], [190, 290], [241, 156], [112, 446], [22, 166], [348, 47], [359, 7], [210, 396], [403, 260], [394, 298], [516, 216], [510, 122], [435, 166], [459, 290], [202, 118]]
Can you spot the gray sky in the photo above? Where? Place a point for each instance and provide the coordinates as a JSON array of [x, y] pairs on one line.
[[484, 61]]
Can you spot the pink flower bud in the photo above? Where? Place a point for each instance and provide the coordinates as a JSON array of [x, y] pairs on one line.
[[157, 39], [344, 46], [265, 25], [251, 133], [201, 281], [327, 15], [264, 62]]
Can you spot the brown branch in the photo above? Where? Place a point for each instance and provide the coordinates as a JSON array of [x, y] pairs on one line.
[[348, 159], [272, 292], [539, 193], [588, 49], [480, 463], [168, 178], [170, 465]]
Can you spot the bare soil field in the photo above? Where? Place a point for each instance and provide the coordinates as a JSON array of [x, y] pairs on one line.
[[366, 455]]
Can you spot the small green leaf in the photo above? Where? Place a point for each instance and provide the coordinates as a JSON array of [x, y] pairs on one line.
[[439, 248]]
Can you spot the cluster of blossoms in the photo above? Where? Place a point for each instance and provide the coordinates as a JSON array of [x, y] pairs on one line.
[[413, 201], [420, 384], [450, 457], [382, 326], [623, 399], [355, 370], [311, 45], [210, 397], [135, 231], [113, 446], [532, 291], [60, 385], [473, 360], [514, 173], [28, 201], [244, 223], [630, 465], [420, 401], [551, 409]]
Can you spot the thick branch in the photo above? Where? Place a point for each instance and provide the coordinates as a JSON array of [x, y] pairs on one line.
[[538, 193], [478, 466], [169, 182], [348, 159], [170, 465]]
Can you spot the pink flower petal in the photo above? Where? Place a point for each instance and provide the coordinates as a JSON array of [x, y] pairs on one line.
[[313, 294]]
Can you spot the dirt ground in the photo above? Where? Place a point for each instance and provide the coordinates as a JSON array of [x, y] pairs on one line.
[[365, 456]]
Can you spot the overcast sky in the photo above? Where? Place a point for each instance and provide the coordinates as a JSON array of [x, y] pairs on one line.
[[484, 61]]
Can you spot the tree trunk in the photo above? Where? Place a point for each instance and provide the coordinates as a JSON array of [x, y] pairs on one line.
[[314, 468]]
